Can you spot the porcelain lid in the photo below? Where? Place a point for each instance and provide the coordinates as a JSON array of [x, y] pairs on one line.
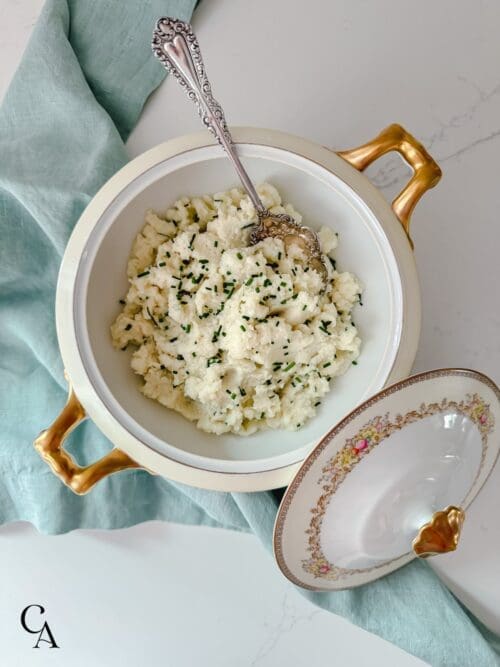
[[390, 481]]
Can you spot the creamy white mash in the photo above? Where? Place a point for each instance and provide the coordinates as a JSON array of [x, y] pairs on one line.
[[234, 337]]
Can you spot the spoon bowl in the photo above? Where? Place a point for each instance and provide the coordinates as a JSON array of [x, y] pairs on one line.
[[176, 47]]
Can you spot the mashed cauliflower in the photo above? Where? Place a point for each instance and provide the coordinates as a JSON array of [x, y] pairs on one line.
[[234, 337]]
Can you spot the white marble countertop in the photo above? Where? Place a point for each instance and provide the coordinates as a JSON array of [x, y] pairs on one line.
[[339, 74]]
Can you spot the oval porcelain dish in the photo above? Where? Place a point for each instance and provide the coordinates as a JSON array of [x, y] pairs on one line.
[[328, 189], [390, 482]]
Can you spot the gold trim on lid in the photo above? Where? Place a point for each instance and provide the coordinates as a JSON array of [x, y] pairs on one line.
[[441, 534], [426, 171]]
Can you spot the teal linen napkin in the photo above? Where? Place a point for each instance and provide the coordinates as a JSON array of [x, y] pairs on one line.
[[77, 94]]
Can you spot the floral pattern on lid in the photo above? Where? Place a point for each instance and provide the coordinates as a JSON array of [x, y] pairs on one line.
[[359, 446]]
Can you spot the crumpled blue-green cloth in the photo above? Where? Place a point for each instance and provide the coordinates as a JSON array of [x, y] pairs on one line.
[[77, 94]]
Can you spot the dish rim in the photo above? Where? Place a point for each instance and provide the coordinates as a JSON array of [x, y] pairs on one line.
[[398, 562], [99, 412]]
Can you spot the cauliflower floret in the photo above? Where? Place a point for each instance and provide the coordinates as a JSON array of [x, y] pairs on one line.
[[234, 337]]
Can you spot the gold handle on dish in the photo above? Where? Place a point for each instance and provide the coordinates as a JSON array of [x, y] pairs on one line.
[[49, 444], [441, 534], [426, 171]]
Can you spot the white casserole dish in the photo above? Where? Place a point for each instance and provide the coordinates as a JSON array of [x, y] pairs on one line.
[[327, 190]]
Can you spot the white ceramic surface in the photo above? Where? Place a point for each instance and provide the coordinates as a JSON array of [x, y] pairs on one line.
[[229, 608], [92, 279], [358, 501]]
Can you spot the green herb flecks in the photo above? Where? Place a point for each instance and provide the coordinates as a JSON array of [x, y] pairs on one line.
[[151, 316]]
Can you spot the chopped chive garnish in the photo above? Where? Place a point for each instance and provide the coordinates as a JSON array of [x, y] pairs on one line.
[[151, 316], [355, 363], [295, 296], [249, 282], [128, 327], [216, 243], [304, 306], [186, 327], [122, 301], [216, 334], [239, 255], [203, 261], [242, 327], [144, 273], [172, 340], [290, 366], [242, 392], [168, 254], [162, 264], [251, 224], [329, 363]]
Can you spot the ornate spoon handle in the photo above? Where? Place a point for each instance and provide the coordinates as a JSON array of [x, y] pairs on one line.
[[176, 47]]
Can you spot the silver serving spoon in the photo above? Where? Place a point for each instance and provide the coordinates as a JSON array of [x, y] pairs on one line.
[[176, 47]]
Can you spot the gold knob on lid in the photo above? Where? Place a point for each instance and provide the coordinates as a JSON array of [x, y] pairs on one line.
[[440, 534]]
